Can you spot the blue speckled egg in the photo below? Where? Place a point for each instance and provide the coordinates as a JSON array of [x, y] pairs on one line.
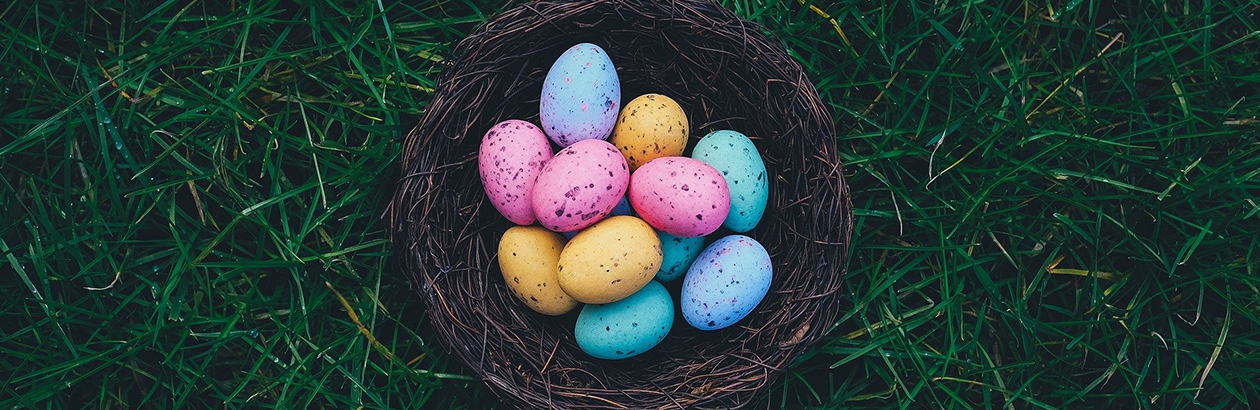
[[622, 208], [627, 327], [679, 252], [725, 283], [735, 156], [581, 96]]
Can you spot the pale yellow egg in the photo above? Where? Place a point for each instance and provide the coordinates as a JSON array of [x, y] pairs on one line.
[[610, 260], [649, 127], [529, 257]]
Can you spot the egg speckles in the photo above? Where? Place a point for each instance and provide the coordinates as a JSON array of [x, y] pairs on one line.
[[512, 155], [725, 283], [681, 196], [649, 127], [628, 327], [581, 96], [529, 257], [609, 261], [736, 157], [580, 186]]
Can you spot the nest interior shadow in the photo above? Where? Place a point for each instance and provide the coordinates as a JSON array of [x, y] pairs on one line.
[[727, 74]]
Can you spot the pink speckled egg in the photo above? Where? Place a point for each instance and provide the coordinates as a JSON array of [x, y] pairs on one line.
[[511, 157], [581, 96], [580, 186], [681, 196]]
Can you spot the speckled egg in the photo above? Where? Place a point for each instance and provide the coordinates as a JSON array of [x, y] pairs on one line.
[[580, 186], [622, 208], [529, 257], [649, 127], [609, 261], [678, 253], [681, 196], [627, 327], [725, 283], [580, 96], [512, 155], [737, 158]]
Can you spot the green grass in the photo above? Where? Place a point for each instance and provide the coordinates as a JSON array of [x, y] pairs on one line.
[[1058, 203]]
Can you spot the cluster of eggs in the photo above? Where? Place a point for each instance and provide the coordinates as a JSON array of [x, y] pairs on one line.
[[619, 210]]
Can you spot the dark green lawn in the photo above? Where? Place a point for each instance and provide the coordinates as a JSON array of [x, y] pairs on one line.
[[1058, 203]]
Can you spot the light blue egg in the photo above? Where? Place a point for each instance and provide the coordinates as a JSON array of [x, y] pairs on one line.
[[679, 252], [726, 282], [737, 158], [622, 208], [627, 327], [581, 96]]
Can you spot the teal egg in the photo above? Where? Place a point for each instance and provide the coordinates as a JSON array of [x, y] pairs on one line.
[[627, 327], [679, 253], [736, 157]]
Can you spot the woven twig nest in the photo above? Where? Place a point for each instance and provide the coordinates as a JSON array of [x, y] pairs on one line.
[[727, 74]]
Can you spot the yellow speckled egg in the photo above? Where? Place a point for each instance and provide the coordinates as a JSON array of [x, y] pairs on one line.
[[529, 257], [649, 127], [610, 260]]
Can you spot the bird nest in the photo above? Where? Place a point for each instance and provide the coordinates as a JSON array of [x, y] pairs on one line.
[[726, 73]]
